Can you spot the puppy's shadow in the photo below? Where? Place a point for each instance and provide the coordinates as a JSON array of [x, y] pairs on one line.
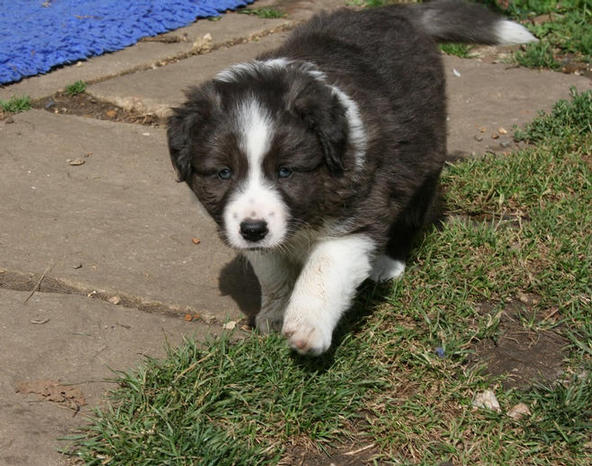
[[238, 281]]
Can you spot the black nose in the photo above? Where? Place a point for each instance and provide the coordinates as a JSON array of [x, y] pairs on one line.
[[253, 230]]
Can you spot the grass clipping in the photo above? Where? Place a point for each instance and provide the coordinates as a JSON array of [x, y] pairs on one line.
[[398, 375]]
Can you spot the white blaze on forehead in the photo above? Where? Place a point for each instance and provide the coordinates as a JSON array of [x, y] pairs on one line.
[[256, 198], [255, 129]]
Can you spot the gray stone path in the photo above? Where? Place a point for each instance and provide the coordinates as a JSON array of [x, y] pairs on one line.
[[118, 229], [74, 341]]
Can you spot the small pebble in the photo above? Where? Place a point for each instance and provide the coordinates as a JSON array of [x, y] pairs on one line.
[[479, 138], [115, 300], [519, 411], [487, 400]]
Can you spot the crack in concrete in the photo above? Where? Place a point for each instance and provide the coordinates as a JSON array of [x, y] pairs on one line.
[[184, 55], [40, 283]]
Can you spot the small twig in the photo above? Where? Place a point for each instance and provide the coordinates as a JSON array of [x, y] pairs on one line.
[[82, 382], [40, 321], [191, 367], [551, 314], [359, 450], [38, 284]]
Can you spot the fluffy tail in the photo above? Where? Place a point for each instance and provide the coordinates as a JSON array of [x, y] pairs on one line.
[[458, 21]]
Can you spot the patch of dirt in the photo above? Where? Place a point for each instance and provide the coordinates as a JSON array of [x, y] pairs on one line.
[[345, 455], [87, 106], [525, 355], [51, 390]]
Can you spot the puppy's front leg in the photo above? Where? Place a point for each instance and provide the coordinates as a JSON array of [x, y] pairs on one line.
[[325, 290], [276, 275]]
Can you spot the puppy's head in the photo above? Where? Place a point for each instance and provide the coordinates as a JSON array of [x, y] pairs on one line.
[[258, 146]]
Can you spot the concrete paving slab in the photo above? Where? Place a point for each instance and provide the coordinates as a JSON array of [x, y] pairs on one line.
[[118, 224], [480, 95], [77, 342], [301, 10], [230, 29], [485, 97], [156, 91]]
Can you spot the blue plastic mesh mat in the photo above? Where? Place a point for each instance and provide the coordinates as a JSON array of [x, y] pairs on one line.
[[36, 35]]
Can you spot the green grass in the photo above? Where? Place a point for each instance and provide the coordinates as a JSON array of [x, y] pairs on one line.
[[246, 402], [567, 33], [569, 120], [75, 88], [264, 13], [225, 402], [16, 104], [460, 50]]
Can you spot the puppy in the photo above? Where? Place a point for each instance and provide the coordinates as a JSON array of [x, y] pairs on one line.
[[320, 160]]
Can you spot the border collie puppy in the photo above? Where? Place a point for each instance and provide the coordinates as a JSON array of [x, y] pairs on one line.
[[320, 160]]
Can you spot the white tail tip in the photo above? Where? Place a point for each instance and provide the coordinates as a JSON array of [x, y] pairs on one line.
[[510, 33]]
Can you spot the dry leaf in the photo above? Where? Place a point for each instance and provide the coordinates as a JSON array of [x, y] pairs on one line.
[[528, 298], [195, 240], [229, 325], [188, 317], [77, 162]]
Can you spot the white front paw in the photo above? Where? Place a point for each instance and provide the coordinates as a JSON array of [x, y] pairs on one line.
[[307, 337]]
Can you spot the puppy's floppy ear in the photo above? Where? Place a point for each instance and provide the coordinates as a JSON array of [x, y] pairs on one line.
[[184, 127], [320, 108]]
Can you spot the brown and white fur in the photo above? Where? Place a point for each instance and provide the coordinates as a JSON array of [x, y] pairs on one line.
[[320, 160]]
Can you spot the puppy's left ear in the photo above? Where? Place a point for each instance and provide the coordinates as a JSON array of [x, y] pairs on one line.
[[324, 114]]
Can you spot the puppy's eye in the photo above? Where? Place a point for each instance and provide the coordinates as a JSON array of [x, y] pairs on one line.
[[225, 174], [284, 172]]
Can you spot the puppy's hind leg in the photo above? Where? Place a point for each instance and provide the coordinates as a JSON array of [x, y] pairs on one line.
[[386, 268], [423, 209], [276, 277]]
